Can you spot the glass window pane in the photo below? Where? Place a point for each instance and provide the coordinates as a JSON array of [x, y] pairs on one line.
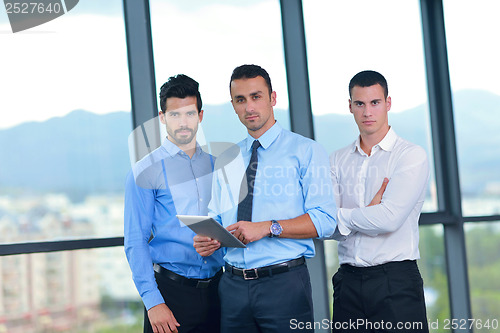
[[64, 126], [332, 266], [473, 59], [70, 291], [483, 247], [432, 265], [206, 40], [346, 37]]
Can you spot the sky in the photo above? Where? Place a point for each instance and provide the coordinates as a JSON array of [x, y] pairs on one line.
[[79, 60]]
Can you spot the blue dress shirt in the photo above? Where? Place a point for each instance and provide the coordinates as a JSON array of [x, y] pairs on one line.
[[161, 185], [293, 178]]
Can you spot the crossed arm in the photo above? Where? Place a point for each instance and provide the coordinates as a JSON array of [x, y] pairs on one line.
[[402, 198]]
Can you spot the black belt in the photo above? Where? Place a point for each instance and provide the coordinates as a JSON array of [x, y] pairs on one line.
[[255, 273], [388, 266], [197, 283]]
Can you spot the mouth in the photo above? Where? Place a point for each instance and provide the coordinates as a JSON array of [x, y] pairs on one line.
[[252, 117], [184, 132], [369, 122]]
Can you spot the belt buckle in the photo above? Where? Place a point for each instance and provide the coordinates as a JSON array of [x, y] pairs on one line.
[[203, 284], [247, 274]]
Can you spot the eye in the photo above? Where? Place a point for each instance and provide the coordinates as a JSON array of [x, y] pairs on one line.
[[239, 100], [173, 114], [191, 114], [256, 96]]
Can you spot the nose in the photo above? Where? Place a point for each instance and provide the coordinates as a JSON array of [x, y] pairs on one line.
[[367, 111], [250, 105], [183, 120]]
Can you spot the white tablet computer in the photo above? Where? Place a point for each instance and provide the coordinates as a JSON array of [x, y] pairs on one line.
[[207, 226]]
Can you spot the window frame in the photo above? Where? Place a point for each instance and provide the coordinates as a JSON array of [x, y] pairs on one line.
[[449, 214]]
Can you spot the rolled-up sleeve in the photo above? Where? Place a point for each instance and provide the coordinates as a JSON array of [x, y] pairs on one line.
[[317, 190]]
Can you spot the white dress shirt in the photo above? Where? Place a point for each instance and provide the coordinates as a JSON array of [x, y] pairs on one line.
[[374, 235]]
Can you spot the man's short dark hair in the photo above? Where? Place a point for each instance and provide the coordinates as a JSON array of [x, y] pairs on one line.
[[180, 86], [368, 79], [250, 72]]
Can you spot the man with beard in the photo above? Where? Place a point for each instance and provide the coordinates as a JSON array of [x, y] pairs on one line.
[[179, 288]]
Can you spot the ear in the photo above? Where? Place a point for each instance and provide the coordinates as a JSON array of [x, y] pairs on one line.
[[162, 117], [388, 103], [234, 108], [200, 115], [273, 98], [350, 106]]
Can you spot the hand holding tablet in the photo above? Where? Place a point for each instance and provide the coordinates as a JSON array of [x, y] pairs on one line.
[[207, 226]]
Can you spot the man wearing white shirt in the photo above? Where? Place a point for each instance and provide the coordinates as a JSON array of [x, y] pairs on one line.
[[378, 285]]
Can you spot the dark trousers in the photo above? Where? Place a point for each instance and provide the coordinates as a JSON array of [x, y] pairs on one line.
[[383, 298], [196, 309], [268, 304]]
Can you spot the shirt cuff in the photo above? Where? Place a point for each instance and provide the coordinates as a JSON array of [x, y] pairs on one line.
[[337, 235], [152, 298], [343, 221], [323, 222]]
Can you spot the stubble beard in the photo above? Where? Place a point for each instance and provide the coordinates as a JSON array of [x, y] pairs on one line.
[[183, 140]]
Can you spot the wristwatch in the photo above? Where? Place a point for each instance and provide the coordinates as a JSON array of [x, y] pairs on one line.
[[276, 229]]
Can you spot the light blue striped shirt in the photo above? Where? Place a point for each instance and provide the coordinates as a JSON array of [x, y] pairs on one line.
[[293, 178]]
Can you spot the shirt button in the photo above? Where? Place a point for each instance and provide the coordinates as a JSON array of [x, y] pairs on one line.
[[201, 199], [204, 261]]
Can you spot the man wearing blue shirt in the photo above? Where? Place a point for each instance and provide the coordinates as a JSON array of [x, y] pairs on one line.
[[177, 285], [285, 199]]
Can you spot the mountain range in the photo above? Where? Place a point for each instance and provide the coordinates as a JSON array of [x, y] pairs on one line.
[[84, 153]]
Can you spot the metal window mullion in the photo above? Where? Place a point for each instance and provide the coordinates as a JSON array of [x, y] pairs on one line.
[[445, 156], [141, 67], [301, 121], [299, 98], [55, 246]]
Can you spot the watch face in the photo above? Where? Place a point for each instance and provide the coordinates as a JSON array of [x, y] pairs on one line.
[[276, 229]]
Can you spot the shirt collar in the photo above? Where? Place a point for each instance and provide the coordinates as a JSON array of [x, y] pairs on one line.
[[389, 140], [356, 145], [386, 144], [265, 139], [172, 149]]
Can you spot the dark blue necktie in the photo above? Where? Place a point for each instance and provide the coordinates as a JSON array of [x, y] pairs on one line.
[[245, 205]]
